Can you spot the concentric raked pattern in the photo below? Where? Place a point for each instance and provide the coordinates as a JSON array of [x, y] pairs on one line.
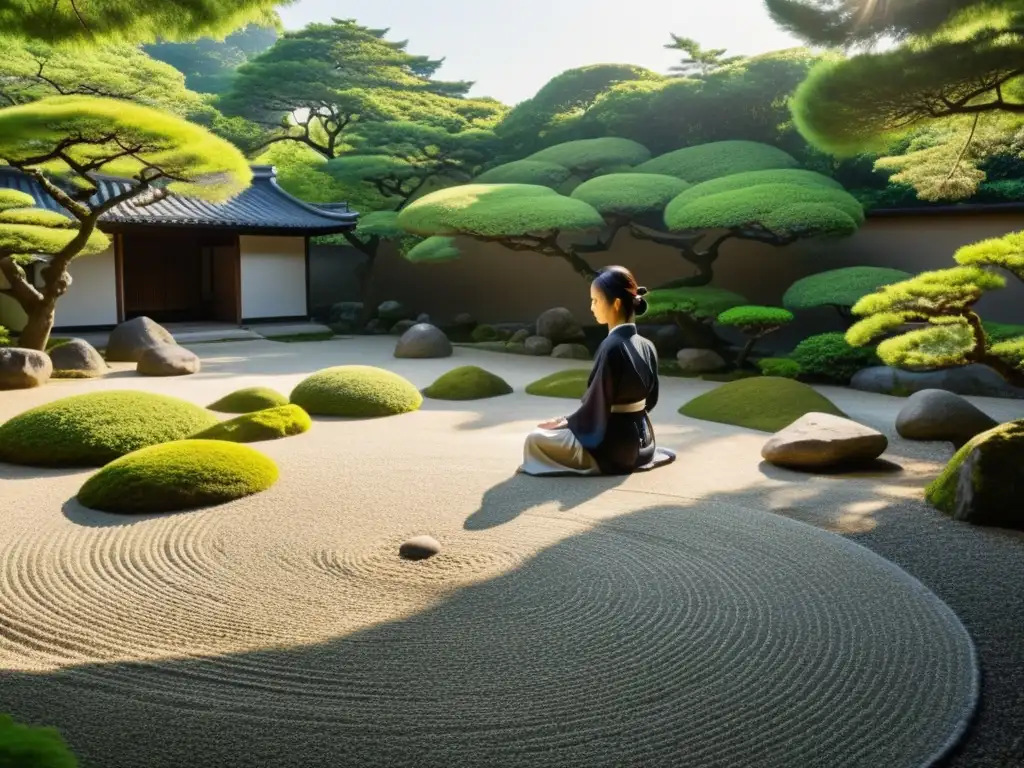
[[666, 637]]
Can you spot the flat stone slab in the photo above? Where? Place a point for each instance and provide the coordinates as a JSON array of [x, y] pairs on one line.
[[822, 440]]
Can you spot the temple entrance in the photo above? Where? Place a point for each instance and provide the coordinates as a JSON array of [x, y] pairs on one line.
[[175, 277]]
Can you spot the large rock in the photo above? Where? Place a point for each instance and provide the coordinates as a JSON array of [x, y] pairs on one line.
[[935, 414], [345, 316], [977, 380], [821, 440], [520, 336], [559, 325], [571, 352], [167, 360], [538, 346], [699, 361], [133, 337], [79, 359], [390, 312], [23, 368], [423, 340]]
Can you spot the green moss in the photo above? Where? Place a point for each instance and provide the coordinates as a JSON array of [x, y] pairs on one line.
[[751, 317], [718, 158], [629, 194], [12, 198], [484, 333], [571, 384], [433, 250], [735, 181], [586, 155], [828, 357], [181, 475], [26, 746], [248, 400], [839, 287], [469, 382], [91, 430], [764, 403], [356, 391], [526, 172], [497, 210], [269, 424], [779, 366], [997, 480], [702, 304]]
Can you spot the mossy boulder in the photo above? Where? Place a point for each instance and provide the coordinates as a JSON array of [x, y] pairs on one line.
[[356, 391], [468, 382], [27, 746], [248, 400], [177, 476], [570, 384], [764, 403], [268, 424], [91, 430], [983, 484], [484, 333]]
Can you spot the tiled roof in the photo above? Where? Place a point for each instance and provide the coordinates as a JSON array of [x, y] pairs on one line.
[[262, 208]]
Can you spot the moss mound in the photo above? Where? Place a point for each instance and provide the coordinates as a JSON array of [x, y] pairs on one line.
[[248, 400], [268, 424], [356, 391], [765, 403], [469, 382], [996, 483], [571, 383], [185, 474], [38, 747], [91, 430]]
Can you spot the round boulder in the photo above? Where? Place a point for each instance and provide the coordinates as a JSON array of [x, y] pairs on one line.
[[559, 325], [77, 359], [167, 360], [822, 440], [935, 414], [419, 548], [390, 312], [133, 337], [356, 391], [23, 368], [539, 346], [571, 352], [699, 361], [423, 340]]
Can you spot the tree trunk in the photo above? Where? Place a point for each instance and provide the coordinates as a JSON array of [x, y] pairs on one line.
[[37, 328], [741, 358]]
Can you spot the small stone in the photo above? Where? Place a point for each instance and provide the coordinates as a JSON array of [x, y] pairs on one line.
[[168, 360], [935, 414], [344, 316], [78, 358], [131, 338], [538, 346], [23, 368], [419, 548], [423, 317], [821, 440], [423, 340], [699, 361], [401, 327], [571, 352], [390, 312], [463, 320], [520, 336], [559, 325]]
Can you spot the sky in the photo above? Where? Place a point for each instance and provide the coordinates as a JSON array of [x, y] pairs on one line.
[[511, 48]]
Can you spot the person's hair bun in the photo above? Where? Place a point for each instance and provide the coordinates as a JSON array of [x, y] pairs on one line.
[[641, 290]]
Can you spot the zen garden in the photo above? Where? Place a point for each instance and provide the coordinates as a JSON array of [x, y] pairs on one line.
[[279, 306]]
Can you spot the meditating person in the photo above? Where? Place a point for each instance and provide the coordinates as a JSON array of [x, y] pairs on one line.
[[610, 433]]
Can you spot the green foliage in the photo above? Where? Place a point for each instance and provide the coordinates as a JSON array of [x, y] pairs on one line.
[[93, 429], [755, 320], [718, 158], [433, 250], [545, 174], [745, 179], [195, 162], [356, 391], [629, 195], [248, 400], [178, 476], [570, 384], [996, 482], [781, 367], [772, 210], [497, 211], [585, 156], [267, 424], [829, 357], [103, 21], [37, 231], [26, 746], [839, 287], [1005, 252], [301, 172], [764, 403], [938, 346], [6, 340], [469, 382], [702, 304], [209, 65], [383, 224], [997, 332], [699, 60], [484, 333], [12, 199]]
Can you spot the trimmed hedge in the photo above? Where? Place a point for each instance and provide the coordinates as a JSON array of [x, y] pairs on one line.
[[173, 477], [356, 391], [27, 746], [91, 430], [779, 366], [764, 403], [268, 424], [829, 357], [469, 382], [571, 384], [249, 400]]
